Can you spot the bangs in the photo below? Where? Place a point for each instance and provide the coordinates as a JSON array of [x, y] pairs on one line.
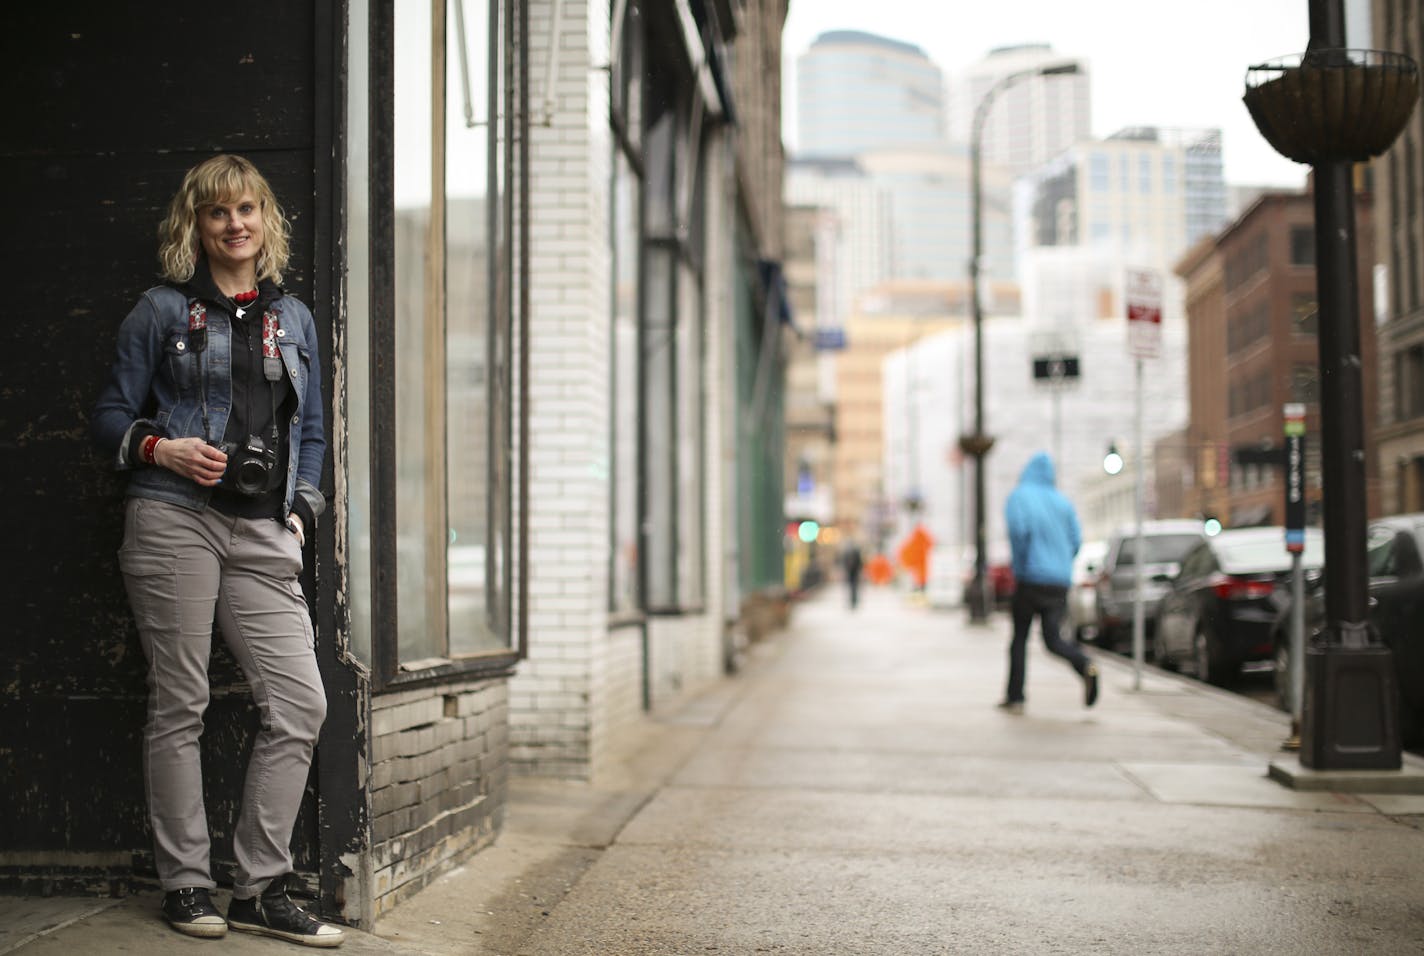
[[227, 183]]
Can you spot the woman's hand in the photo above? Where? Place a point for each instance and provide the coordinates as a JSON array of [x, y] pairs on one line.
[[192, 458]]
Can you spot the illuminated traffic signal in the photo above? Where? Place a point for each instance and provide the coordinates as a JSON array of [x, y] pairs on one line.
[[807, 531]]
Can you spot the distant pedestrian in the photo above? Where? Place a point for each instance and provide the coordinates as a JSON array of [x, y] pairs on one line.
[[851, 563], [1044, 536]]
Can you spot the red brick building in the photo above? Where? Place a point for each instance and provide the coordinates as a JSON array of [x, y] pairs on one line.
[[1251, 318]]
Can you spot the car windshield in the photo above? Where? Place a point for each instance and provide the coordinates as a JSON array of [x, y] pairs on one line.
[[1160, 548]]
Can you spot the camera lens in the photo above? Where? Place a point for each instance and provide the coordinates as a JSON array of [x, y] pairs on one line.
[[251, 477]]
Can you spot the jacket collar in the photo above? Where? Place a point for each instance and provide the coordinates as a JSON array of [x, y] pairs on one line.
[[201, 286]]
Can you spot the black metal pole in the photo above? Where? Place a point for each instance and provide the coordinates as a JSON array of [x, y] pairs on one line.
[[1342, 425], [1349, 718], [979, 585]]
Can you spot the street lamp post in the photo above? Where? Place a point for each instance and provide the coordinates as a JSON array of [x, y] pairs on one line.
[[977, 444], [1331, 107]]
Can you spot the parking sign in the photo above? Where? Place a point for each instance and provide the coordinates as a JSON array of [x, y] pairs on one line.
[[1143, 292]]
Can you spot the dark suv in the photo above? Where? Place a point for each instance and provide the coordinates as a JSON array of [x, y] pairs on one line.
[[1165, 543]]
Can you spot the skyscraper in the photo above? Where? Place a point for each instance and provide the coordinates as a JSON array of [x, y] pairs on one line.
[[1147, 192], [1032, 121], [858, 91]]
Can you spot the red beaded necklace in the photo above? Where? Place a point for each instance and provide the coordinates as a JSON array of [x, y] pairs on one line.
[[243, 299]]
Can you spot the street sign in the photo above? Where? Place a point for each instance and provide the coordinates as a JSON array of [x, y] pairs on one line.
[[1055, 368], [1295, 476], [1143, 293], [830, 340]]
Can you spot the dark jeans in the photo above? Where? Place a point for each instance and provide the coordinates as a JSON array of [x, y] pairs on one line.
[[1048, 602]]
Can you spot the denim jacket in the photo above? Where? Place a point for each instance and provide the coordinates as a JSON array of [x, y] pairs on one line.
[[156, 382]]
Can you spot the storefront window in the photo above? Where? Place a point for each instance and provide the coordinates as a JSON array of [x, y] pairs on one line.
[[623, 572], [626, 116], [475, 554], [434, 588], [672, 346], [419, 327], [353, 442]]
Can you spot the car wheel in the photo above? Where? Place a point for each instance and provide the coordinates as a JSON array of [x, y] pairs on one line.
[[1206, 662], [1160, 657], [1282, 675]]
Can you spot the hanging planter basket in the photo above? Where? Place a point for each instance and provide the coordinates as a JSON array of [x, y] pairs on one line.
[[1332, 105]]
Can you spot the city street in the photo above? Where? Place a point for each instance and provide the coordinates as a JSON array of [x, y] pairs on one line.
[[855, 791]]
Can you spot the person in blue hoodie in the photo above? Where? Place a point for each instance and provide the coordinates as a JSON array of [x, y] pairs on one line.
[[1044, 537]]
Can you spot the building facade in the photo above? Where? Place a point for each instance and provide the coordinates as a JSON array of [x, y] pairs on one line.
[[542, 244], [1399, 251], [1149, 193], [1253, 349], [1032, 121]]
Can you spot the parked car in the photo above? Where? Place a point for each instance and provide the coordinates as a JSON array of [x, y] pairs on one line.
[[1164, 544], [1220, 610], [1082, 593], [1394, 546]]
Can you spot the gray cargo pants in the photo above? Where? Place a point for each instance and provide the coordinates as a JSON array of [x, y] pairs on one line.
[[184, 569]]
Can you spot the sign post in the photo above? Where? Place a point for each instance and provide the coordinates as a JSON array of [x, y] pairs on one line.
[[1143, 293], [1294, 415]]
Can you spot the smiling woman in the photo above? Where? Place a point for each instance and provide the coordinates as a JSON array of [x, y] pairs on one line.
[[216, 418]]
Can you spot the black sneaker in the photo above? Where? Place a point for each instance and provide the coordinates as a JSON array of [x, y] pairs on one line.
[[1011, 706], [190, 911], [274, 914], [1090, 686]]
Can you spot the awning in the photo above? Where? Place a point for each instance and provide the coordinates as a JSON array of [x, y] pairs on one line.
[[778, 301]]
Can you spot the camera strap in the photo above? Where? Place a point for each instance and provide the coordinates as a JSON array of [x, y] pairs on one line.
[[271, 360], [198, 344]]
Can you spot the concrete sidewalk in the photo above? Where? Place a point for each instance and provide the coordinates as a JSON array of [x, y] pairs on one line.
[[855, 791]]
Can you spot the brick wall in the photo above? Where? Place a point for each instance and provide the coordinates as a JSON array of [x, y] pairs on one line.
[[580, 690], [439, 773], [554, 705]]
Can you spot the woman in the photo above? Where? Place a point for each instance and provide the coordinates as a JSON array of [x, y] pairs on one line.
[[214, 413]]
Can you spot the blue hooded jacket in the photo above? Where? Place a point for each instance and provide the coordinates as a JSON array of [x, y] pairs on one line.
[[1043, 527]]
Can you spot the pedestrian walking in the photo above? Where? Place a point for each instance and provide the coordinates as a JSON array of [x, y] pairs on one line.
[[213, 412], [852, 563], [1044, 537]]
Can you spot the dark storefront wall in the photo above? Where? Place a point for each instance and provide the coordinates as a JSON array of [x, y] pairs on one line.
[[108, 105]]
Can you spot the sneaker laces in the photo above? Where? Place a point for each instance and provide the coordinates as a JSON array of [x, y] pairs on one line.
[[279, 909]]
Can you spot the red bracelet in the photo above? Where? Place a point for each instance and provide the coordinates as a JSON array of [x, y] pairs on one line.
[[146, 450]]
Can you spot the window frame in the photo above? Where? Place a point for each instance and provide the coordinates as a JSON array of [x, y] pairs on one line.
[[507, 307], [671, 248]]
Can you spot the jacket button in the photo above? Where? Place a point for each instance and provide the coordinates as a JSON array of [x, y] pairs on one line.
[[296, 419]]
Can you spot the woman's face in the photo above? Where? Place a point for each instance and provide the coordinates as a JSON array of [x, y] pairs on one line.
[[231, 233]]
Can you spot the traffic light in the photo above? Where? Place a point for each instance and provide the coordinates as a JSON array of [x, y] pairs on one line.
[[807, 531], [1211, 526], [1112, 461]]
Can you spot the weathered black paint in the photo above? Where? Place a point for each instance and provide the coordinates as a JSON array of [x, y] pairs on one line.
[[107, 105]]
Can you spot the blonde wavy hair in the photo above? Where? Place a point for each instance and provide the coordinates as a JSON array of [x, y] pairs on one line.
[[222, 179]]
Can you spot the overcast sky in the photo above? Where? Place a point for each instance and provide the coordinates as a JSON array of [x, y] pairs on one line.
[[1151, 63]]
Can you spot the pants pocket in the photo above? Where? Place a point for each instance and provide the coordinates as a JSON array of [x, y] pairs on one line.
[[151, 578]]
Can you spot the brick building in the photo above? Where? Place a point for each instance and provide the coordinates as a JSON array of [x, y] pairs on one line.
[[543, 292], [1251, 314], [1399, 249]]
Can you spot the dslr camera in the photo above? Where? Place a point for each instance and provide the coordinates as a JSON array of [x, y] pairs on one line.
[[249, 464]]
